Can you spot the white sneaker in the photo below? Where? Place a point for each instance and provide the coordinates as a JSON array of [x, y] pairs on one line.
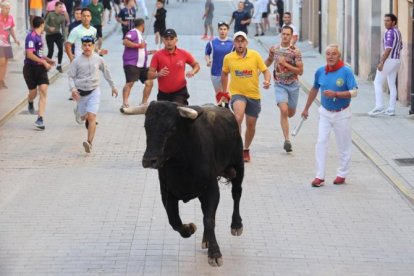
[[87, 146], [376, 111], [77, 116], [390, 112]]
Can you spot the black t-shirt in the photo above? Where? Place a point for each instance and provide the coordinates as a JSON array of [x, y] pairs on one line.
[[160, 16]]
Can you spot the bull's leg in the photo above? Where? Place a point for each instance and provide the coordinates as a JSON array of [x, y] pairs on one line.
[[171, 206], [236, 191], [209, 202]]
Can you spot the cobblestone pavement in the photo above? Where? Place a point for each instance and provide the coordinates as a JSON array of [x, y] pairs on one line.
[[63, 211]]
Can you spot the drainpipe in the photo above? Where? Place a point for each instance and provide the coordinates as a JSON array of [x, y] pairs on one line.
[[412, 62]]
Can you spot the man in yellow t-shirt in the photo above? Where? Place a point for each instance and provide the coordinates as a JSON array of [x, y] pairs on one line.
[[245, 66], [36, 9]]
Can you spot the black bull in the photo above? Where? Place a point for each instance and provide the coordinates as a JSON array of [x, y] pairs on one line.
[[191, 147]]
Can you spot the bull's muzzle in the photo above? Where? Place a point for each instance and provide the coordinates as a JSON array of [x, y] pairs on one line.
[[151, 162]]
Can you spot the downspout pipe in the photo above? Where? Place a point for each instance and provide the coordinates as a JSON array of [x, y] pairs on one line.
[[412, 62]]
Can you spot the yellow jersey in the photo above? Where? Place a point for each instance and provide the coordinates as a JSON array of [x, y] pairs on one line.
[[244, 73], [36, 4]]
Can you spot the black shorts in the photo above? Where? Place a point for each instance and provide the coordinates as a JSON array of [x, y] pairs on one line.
[[134, 73], [98, 31], [106, 4], [264, 14], [159, 30], [35, 75], [118, 2], [179, 96]]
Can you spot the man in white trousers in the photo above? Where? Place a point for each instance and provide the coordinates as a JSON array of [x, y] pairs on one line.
[[337, 85], [388, 67], [143, 7]]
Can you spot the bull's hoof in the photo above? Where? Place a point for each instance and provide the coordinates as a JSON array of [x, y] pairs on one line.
[[215, 261], [187, 230], [237, 231]]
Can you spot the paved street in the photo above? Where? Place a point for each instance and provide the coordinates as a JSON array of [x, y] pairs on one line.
[[63, 211]]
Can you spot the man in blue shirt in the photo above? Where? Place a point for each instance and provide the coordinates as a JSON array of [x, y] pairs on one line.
[[214, 55], [337, 85]]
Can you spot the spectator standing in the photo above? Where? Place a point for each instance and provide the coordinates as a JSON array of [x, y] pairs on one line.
[[287, 67], [208, 19], [214, 54], [35, 9], [287, 21], [97, 10], [248, 7], [257, 18], [6, 31], [388, 67], [280, 11], [168, 66], [159, 23], [241, 19], [126, 17], [84, 85], [135, 60], [106, 4], [337, 85], [35, 70], [143, 6], [77, 16], [55, 27], [262, 6], [245, 65]]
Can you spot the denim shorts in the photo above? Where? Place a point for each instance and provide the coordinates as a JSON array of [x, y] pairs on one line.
[[90, 103], [253, 106], [287, 93]]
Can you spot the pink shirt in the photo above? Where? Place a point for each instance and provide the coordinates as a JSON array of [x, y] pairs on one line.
[[6, 24], [51, 6]]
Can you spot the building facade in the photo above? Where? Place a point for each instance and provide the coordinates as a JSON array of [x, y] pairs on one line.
[[357, 26]]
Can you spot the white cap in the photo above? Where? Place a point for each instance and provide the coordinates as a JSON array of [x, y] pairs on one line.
[[240, 33]]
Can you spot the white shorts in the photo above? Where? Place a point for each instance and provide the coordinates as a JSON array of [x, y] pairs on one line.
[[216, 80], [90, 103], [36, 12]]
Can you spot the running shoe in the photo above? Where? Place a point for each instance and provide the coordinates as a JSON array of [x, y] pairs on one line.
[[39, 123], [376, 111], [339, 180], [317, 182], [390, 112], [287, 146], [87, 146]]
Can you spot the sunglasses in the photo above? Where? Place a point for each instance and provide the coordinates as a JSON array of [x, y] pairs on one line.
[[222, 23], [88, 39]]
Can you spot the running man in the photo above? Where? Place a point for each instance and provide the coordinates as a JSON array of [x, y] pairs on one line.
[[214, 54], [84, 85], [35, 70], [287, 67], [135, 60]]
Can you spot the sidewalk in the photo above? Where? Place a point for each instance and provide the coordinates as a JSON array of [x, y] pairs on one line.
[[13, 99], [382, 139]]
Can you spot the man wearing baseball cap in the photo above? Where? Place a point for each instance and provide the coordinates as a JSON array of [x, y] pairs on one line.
[[168, 66], [244, 66]]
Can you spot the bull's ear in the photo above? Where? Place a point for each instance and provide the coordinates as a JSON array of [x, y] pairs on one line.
[[187, 112]]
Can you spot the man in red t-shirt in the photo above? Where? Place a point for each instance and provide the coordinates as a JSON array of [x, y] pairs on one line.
[[168, 65]]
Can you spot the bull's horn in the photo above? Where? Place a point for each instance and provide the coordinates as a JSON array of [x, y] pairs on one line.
[[187, 112]]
